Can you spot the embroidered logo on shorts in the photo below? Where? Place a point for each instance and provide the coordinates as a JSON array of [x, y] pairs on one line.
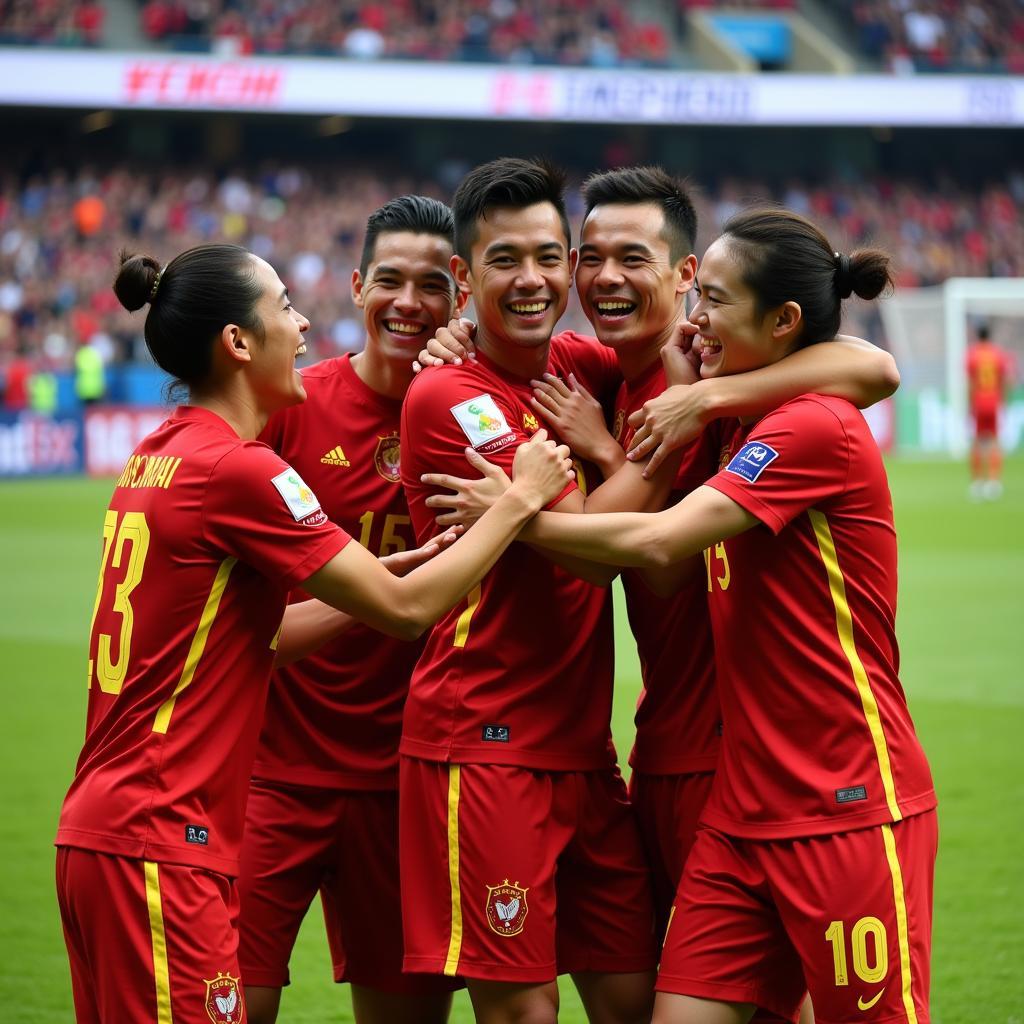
[[851, 794], [387, 458], [483, 423], [506, 908], [224, 1000], [752, 460], [496, 734], [301, 501], [198, 834]]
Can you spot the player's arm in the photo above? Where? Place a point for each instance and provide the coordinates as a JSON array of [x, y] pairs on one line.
[[644, 540], [308, 625], [355, 582], [847, 367]]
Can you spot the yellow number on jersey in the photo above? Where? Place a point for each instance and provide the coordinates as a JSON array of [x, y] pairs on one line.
[[133, 532], [390, 541], [723, 566], [866, 971]]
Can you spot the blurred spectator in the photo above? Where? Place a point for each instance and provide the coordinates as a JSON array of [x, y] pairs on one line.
[[55, 295], [51, 22]]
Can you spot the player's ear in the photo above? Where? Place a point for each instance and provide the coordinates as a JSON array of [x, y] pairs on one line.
[[236, 343], [574, 258], [461, 272], [357, 289], [787, 320], [686, 270], [460, 301]]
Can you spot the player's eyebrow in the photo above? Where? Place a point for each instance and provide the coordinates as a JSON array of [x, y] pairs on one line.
[[627, 247], [283, 297], [507, 248]]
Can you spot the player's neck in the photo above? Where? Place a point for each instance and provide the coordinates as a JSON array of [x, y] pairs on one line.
[[381, 375], [634, 362], [525, 363], [242, 415]]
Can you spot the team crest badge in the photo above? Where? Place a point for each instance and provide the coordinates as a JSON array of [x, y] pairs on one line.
[[506, 908], [620, 419], [530, 422], [387, 458], [224, 1000]]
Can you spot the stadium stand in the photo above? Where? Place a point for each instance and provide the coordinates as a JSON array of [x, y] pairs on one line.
[[51, 22], [59, 235]]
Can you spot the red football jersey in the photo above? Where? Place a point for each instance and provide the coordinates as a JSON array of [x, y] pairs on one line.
[[988, 369], [521, 672], [817, 736], [204, 537], [678, 722], [335, 717]]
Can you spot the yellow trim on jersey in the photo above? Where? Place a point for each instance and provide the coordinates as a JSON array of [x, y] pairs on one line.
[[844, 627], [195, 652], [901, 922], [451, 964], [462, 626], [161, 972]]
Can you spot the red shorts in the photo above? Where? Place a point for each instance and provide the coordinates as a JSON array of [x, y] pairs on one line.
[[667, 809], [851, 913], [510, 874], [343, 843], [986, 421], [149, 942]]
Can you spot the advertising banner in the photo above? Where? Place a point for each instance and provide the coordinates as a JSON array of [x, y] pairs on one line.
[[32, 445], [113, 431]]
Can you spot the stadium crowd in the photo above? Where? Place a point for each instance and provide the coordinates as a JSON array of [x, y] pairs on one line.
[[59, 236]]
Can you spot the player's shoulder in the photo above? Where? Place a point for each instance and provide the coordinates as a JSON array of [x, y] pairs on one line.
[[438, 384], [326, 369], [809, 410], [573, 346]]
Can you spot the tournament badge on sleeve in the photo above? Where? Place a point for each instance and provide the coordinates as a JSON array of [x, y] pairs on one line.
[[506, 908], [224, 1000], [386, 458]]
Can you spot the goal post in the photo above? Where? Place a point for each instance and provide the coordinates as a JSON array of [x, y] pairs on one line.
[[928, 330]]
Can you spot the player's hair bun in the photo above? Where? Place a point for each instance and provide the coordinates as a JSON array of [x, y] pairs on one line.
[[870, 272], [136, 279]]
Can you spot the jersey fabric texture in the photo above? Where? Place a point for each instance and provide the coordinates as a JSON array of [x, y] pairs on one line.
[[516, 875], [204, 537], [847, 916], [334, 718], [988, 371], [136, 947], [817, 736], [678, 722], [520, 672]]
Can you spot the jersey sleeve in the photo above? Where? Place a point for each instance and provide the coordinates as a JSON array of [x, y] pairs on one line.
[[595, 366], [797, 456], [258, 509], [448, 411]]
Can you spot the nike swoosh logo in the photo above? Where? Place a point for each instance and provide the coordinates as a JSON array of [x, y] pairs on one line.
[[861, 1005]]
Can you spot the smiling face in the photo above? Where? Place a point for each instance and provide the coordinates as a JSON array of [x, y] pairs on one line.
[[519, 273], [407, 294], [733, 338], [630, 290], [272, 372]]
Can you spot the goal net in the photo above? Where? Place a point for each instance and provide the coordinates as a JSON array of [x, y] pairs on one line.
[[928, 332]]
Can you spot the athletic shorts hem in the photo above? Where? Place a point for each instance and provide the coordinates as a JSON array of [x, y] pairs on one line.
[[611, 965], [722, 993], [412, 983], [264, 979], [539, 974]]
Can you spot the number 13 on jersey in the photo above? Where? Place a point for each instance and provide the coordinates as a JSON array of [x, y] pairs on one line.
[[125, 546]]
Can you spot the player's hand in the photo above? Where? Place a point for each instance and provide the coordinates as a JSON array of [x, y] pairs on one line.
[[665, 424], [542, 467], [402, 562], [451, 344], [574, 413], [681, 362], [466, 500]]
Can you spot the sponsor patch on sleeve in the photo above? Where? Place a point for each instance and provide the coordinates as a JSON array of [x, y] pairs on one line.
[[752, 460], [300, 499], [483, 423]]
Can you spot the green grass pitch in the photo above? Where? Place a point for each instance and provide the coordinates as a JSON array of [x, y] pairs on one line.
[[961, 625]]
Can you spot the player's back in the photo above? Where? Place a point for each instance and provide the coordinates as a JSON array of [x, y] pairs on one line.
[[521, 672], [988, 367], [182, 639]]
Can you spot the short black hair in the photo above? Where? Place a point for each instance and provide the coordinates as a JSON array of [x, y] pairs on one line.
[[649, 185], [509, 183], [982, 332], [419, 214]]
